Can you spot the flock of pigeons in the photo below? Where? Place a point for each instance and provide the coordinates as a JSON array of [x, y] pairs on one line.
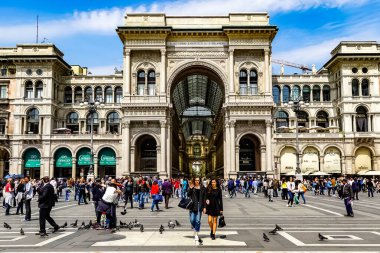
[[136, 224]]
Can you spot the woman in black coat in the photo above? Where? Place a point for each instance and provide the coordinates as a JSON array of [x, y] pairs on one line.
[[214, 205], [197, 194]]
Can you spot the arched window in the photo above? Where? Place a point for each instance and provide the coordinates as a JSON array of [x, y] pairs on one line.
[[68, 95], [151, 83], [296, 92], [72, 122], [33, 120], [365, 87], [306, 93], [276, 94], [243, 80], [118, 94], [326, 93], [140, 82], [113, 123], [2, 126], [361, 119], [108, 95], [282, 119], [98, 94], [316, 93], [197, 150], [286, 94], [355, 87], [322, 119], [78, 95], [303, 119], [95, 118], [88, 94], [39, 88], [29, 89], [253, 82]]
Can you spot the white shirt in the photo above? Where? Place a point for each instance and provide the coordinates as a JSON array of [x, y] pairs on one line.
[[28, 190], [291, 186], [110, 195]]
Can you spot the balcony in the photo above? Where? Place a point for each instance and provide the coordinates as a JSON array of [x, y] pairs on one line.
[[265, 100], [86, 136], [144, 100]]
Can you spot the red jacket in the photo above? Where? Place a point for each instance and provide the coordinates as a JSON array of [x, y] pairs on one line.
[[155, 189]]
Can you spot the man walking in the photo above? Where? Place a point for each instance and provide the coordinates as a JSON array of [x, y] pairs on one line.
[[348, 197], [46, 201], [28, 195]]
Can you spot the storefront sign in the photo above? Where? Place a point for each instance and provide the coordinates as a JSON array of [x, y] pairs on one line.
[[63, 159], [32, 159], [84, 157], [107, 158]]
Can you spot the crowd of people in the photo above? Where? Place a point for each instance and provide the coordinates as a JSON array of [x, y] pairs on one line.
[[206, 195]]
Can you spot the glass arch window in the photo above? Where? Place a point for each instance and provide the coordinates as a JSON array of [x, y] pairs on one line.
[[39, 89], [88, 94], [365, 87], [296, 92], [140, 82], [276, 94], [326, 93], [113, 123], [2, 126], [78, 95], [95, 118], [282, 119], [98, 94], [118, 94], [68, 95], [151, 83], [355, 87], [33, 121], [243, 82], [29, 89], [108, 95], [361, 119], [316, 93], [322, 119], [303, 119], [253, 82], [285, 94], [306, 93], [72, 122]]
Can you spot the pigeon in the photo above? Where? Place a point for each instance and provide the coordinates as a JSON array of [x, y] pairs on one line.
[[142, 228], [171, 224], [117, 228], [22, 232], [177, 223], [321, 237], [162, 229], [88, 226], [265, 237], [75, 224], [273, 232], [130, 226], [64, 225], [82, 226], [223, 237], [90, 223], [122, 224], [123, 212], [6, 225], [278, 228]]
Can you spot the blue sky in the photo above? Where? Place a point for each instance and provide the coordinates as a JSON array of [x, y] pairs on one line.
[[85, 30]]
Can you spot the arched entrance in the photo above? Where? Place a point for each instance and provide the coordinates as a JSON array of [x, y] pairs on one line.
[[32, 163], [146, 155], [107, 163], [310, 160], [4, 162], [288, 160], [83, 162], [249, 154], [63, 163], [332, 161], [197, 94], [363, 160]]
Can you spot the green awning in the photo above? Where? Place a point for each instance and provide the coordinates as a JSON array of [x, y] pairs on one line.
[[84, 156], [32, 158], [63, 158], [107, 157]]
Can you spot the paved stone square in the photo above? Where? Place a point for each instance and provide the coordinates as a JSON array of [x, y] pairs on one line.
[[246, 218]]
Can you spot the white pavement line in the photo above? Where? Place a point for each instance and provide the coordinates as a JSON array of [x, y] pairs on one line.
[[290, 238], [169, 238], [64, 234], [376, 233], [54, 209], [325, 210]]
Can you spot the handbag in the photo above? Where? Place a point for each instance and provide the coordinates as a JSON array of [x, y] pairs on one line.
[[222, 222], [158, 198], [186, 203]]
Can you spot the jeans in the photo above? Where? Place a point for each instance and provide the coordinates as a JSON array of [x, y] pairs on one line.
[[247, 194], [347, 203], [370, 192], [270, 194], [146, 197], [195, 220], [20, 207], [7, 208], [303, 196], [154, 203], [141, 199], [67, 197], [82, 194], [291, 198], [28, 211]]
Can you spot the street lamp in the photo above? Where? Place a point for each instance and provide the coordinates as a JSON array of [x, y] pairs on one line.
[[91, 105], [296, 104]]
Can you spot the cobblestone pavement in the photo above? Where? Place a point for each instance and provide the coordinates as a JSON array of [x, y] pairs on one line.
[[247, 219]]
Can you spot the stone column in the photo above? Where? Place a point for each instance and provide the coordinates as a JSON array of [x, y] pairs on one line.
[[321, 163], [268, 140], [267, 72], [168, 151], [263, 163], [126, 72], [96, 167], [2, 167], [126, 169], [232, 146], [231, 71], [74, 168], [354, 123], [227, 168], [237, 151], [133, 162], [162, 169], [163, 72]]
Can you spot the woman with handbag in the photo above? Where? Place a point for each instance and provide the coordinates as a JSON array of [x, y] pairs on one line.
[[197, 193], [154, 194], [214, 205]]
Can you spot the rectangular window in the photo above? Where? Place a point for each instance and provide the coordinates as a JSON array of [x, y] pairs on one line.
[[243, 89], [118, 98], [3, 91], [109, 98], [140, 89], [151, 89]]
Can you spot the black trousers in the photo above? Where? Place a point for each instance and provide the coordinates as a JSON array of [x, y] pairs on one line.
[[128, 196], [28, 211], [82, 194], [167, 196], [45, 216]]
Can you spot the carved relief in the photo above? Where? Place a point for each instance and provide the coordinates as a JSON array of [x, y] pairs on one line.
[[202, 54], [249, 42], [150, 42]]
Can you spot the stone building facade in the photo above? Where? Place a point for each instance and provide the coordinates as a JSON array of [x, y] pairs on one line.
[[196, 96]]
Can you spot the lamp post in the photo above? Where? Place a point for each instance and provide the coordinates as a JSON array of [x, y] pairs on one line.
[[296, 104], [91, 105]]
